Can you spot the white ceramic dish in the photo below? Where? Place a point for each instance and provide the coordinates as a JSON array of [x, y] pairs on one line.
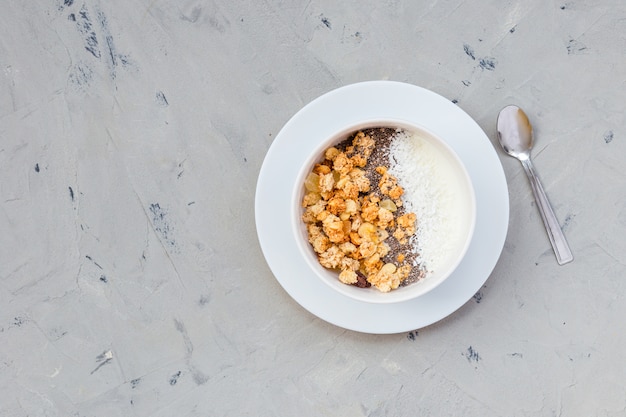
[[461, 210], [350, 105]]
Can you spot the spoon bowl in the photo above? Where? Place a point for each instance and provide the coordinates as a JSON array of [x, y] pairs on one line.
[[515, 134]]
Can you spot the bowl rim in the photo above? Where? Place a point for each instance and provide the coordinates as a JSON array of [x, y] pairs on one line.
[[372, 295]]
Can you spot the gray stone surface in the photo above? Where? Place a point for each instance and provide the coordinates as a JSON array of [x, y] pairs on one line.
[[131, 278]]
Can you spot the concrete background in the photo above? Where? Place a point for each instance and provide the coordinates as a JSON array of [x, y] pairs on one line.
[[131, 279]]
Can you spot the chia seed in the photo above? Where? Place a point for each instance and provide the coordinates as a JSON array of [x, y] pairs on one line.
[[380, 156]]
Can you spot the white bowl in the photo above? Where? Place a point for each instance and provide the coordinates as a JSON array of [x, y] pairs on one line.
[[462, 212]]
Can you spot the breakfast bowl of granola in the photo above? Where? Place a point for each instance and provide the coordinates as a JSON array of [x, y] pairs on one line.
[[383, 210], [381, 207]]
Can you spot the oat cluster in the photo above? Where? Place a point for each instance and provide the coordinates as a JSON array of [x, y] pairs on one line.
[[349, 220]]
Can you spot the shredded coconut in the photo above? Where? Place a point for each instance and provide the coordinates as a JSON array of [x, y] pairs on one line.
[[428, 192]]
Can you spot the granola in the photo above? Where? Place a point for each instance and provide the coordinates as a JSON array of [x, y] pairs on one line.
[[354, 216]]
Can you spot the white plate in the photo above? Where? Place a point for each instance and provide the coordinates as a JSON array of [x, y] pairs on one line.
[[348, 105]]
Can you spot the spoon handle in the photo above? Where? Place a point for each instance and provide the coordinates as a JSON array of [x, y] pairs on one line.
[[557, 238]]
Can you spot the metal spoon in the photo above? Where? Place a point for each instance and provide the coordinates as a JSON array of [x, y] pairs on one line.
[[516, 137]]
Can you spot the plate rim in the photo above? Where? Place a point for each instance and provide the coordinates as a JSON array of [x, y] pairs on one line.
[[338, 309]]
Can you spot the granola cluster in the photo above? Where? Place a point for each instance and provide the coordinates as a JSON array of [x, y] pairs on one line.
[[350, 220]]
